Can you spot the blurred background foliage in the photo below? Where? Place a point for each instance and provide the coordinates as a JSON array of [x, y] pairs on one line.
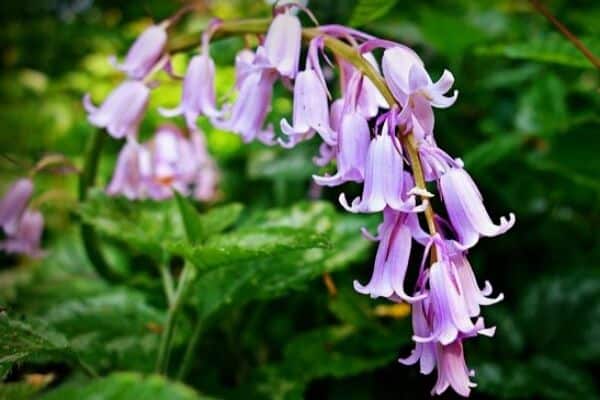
[[526, 124]]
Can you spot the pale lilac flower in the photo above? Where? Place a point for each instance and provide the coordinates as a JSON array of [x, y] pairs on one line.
[[26, 238], [466, 210], [207, 174], [384, 180], [391, 262], [424, 353], [144, 53], [243, 66], [198, 95], [282, 44], [352, 145], [452, 370], [474, 296], [14, 203], [413, 88], [311, 111], [249, 111], [127, 178], [368, 98], [122, 111], [172, 164]]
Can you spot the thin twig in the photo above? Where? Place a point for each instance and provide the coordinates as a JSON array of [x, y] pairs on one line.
[[541, 8]]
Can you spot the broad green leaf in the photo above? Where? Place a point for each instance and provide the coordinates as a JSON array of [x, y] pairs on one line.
[[248, 245], [125, 386], [144, 225], [551, 48], [117, 329], [366, 11], [492, 151], [20, 341], [200, 227], [270, 275]]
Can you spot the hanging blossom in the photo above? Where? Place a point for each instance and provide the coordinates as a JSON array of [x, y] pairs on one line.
[[373, 137], [22, 225], [168, 162]]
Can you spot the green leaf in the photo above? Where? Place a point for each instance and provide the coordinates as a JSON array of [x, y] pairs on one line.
[[20, 341], [492, 151], [279, 255], [367, 11], [245, 246], [126, 386], [543, 108], [18, 391], [551, 48], [117, 329], [144, 225]]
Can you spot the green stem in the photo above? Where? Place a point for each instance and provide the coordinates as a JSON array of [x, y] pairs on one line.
[[164, 351], [190, 350], [87, 178]]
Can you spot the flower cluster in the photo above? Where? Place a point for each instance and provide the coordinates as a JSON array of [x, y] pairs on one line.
[[22, 225], [379, 132], [170, 160]]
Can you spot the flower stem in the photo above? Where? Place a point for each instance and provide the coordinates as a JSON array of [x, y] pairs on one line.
[[87, 178], [190, 350], [164, 351]]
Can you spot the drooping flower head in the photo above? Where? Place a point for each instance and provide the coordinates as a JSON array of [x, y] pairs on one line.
[[466, 211], [122, 111], [14, 203], [145, 52], [413, 88], [25, 239]]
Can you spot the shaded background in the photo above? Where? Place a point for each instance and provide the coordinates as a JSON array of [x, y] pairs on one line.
[[526, 124]]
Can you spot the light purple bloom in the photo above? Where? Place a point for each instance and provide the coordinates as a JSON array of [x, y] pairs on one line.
[[207, 174], [473, 295], [127, 178], [413, 88], [26, 238], [14, 203], [122, 111], [198, 95], [466, 210], [355, 85], [282, 44], [424, 353], [144, 53], [243, 66], [311, 111], [391, 262], [353, 142], [452, 370], [249, 111], [384, 180]]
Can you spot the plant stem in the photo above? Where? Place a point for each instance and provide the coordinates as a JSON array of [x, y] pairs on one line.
[[87, 178], [164, 351], [542, 9], [167, 279], [190, 350]]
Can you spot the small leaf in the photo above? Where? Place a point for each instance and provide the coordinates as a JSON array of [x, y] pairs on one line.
[[551, 48], [126, 386], [20, 341], [367, 11]]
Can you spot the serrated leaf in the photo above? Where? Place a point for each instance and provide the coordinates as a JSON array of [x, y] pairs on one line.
[[126, 386], [551, 48], [144, 225], [366, 11], [117, 329], [271, 275], [20, 341]]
